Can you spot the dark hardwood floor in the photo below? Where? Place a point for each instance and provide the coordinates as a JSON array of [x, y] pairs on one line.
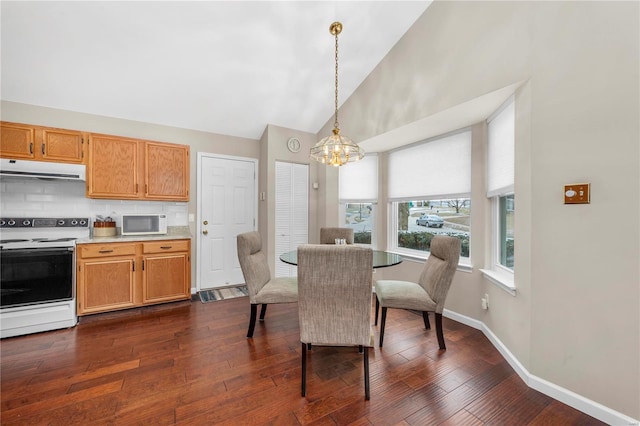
[[190, 363]]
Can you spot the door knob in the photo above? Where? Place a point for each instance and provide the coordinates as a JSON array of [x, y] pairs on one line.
[[206, 222], [205, 232]]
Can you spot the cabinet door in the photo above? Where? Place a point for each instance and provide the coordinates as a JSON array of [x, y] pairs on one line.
[[106, 284], [166, 171], [62, 145], [112, 171], [165, 278], [17, 141]]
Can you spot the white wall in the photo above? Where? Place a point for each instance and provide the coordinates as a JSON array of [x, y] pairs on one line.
[[575, 320]]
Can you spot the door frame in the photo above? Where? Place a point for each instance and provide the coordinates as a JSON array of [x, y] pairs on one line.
[[198, 227]]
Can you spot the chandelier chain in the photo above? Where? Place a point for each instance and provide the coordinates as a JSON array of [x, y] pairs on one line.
[[336, 149], [335, 123]]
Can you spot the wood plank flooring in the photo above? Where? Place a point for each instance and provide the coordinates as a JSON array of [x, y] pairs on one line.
[[190, 363]]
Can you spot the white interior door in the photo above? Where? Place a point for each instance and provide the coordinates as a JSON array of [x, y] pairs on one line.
[[227, 207], [292, 212]]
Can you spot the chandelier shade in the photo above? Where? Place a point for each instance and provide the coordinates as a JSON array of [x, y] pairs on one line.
[[335, 149]]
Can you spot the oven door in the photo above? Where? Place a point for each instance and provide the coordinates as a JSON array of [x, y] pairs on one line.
[[38, 275]]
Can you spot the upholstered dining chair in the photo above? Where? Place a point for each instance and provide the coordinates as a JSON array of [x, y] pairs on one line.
[[334, 300], [262, 288], [429, 293], [329, 235]]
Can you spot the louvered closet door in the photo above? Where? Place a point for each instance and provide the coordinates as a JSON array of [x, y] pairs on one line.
[[292, 212]]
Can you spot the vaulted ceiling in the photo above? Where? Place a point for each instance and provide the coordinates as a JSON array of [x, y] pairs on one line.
[[228, 67]]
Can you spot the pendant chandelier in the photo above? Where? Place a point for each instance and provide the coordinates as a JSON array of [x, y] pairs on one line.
[[336, 150]]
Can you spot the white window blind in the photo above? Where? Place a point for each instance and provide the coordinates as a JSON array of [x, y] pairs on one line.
[[438, 168], [358, 182], [500, 152]]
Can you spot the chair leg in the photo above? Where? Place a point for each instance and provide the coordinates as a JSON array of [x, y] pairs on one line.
[[263, 311], [366, 373], [377, 308], [252, 320], [382, 323], [425, 319], [439, 331], [304, 370]]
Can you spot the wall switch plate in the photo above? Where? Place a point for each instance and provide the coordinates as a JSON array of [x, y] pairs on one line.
[[577, 193]]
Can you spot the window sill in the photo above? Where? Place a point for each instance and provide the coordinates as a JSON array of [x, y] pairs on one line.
[[463, 265], [502, 280]]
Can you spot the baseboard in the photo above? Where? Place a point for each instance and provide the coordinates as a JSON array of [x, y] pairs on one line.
[[572, 399]]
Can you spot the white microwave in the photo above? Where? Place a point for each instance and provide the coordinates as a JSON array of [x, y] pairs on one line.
[[143, 224]]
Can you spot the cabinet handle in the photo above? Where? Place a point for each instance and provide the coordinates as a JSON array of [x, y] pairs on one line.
[[134, 266], [143, 264], [42, 149], [165, 247], [105, 251], [31, 148]]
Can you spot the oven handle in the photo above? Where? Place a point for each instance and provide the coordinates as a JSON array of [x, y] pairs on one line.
[[48, 250]]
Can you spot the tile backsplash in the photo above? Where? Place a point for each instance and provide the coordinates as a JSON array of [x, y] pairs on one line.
[[23, 197]]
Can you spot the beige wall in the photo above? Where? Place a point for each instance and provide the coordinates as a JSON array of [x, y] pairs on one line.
[[575, 320], [274, 146]]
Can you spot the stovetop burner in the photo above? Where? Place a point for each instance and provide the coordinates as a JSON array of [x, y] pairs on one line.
[[41, 233]]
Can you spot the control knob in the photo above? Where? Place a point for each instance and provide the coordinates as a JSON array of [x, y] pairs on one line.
[[61, 222], [26, 222], [11, 222], [74, 222]]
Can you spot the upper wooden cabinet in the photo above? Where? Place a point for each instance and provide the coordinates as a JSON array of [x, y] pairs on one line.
[[62, 145], [166, 171], [112, 171], [123, 168], [27, 142]]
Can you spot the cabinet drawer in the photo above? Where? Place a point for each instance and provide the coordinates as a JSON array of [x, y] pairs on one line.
[[105, 250], [165, 246]]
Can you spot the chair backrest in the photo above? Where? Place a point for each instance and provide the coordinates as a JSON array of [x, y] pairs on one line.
[[329, 235], [439, 268], [253, 262], [334, 294]]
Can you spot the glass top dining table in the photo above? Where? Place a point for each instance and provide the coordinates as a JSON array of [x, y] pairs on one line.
[[381, 259]]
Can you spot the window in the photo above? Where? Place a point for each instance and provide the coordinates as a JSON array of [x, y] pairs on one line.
[[500, 191], [419, 221], [429, 190], [360, 217], [358, 193], [506, 212]]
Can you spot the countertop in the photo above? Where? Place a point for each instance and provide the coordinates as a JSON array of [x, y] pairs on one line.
[[173, 233]]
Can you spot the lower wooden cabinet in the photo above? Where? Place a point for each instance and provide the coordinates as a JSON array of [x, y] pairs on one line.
[[115, 276]]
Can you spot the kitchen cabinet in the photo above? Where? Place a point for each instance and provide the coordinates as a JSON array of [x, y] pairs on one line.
[[165, 271], [112, 171], [106, 278], [123, 168], [114, 276], [27, 142]]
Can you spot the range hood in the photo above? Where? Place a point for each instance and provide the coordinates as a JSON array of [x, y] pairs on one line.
[[42, 170]]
